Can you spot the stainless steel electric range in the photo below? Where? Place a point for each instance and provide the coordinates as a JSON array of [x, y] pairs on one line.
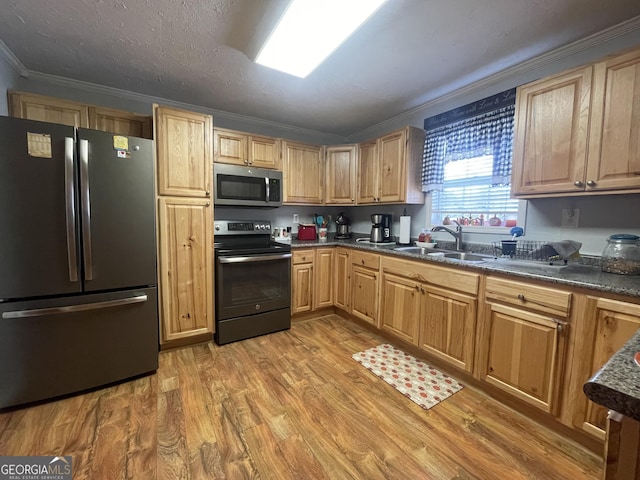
[[253, 281]]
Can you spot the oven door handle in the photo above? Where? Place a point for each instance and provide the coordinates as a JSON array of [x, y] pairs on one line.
[[255, 258]]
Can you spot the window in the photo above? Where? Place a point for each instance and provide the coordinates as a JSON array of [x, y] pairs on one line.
[[469, 198], [467, 166]]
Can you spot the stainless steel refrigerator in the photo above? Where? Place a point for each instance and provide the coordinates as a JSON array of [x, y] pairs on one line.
[[78, 284]]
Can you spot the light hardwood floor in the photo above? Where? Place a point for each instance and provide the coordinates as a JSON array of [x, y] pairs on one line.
[[291, 405]]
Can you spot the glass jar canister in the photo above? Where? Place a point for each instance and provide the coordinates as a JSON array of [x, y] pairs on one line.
[[621, 255]]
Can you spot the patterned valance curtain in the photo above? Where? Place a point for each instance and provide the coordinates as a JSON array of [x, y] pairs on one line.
[[486, 133]]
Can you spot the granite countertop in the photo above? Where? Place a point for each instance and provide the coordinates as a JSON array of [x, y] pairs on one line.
[[575, 274], [617, 384]]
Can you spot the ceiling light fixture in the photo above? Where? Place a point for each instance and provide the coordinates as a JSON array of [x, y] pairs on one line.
[[311, 30]]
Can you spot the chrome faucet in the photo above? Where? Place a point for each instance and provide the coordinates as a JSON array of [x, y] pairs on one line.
[[457, 234]]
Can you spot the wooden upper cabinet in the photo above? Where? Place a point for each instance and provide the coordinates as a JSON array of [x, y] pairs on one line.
[[240, 148], [368, 172], [66, 112], [123, 123], [303, 173], [389, 171], [551, 132], [47, 109], [186, 267], [184, 147], [340, 167], [614, 140], [578, 133]]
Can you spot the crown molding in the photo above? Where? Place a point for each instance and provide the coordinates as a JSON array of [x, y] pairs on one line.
[[13, 60], [534, 64], [141, 97]]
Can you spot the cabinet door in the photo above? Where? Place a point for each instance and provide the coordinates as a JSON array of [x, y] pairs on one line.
[[341, 175], [613, 323], [342, 279], [264, 152], [46, 109], [184, 152], [229, 147], [447, 326], [364, 294], [400, 307], [303, 174], [393, 177], [186, 267], [120, 122], [614, 141], [368, 173], [525, 355], [551, 131], [323, 281], [302, 291]]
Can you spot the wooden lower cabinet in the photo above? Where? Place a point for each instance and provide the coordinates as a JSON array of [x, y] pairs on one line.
[[448, 325], [400, 307], [302, 281], [186, 268], [523, 339], [606, 326], [311, 279], [323, 278], [525, 356], [420, 305], [342, 279], [365, 284]]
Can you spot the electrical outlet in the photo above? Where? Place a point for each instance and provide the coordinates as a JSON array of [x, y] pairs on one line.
[[570, 217], [296, 218]]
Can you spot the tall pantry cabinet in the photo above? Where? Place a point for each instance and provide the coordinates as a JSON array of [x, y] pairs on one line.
[[185, 216]]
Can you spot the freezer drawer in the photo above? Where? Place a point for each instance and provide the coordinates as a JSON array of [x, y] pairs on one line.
[[65, 345]]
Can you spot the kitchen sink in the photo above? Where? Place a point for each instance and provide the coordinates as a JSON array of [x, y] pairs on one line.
[[421, 250], [467, 257], [464, 256]]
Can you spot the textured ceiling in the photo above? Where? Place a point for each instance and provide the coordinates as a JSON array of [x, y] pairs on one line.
[[198, 51]]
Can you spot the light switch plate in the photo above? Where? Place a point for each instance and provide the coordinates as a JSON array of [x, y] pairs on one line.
[[296, 218], [570, 217]]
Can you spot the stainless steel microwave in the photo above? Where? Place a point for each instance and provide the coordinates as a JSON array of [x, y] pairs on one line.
[[237, 185]]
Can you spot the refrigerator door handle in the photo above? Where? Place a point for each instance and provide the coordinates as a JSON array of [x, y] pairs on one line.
[[39, 312], [86, 209], [70, 200]]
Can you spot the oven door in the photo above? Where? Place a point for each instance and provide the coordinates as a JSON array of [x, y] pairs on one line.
[[251, 284]]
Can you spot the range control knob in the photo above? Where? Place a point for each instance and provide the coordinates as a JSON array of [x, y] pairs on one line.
[[217, 227]]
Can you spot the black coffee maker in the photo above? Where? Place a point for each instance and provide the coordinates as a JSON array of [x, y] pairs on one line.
[[343, 225], [380, 228]]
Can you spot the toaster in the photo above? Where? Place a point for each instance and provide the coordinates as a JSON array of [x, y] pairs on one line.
[[306, 231]]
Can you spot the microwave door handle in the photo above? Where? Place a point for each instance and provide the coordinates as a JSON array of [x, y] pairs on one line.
[[266, 182]]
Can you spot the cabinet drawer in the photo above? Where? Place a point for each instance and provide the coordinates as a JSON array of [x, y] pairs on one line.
[[301, 256], [542, 299], [369, 260], [445, 277]]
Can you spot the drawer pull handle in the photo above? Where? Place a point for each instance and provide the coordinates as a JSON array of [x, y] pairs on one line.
[[522, 297]]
